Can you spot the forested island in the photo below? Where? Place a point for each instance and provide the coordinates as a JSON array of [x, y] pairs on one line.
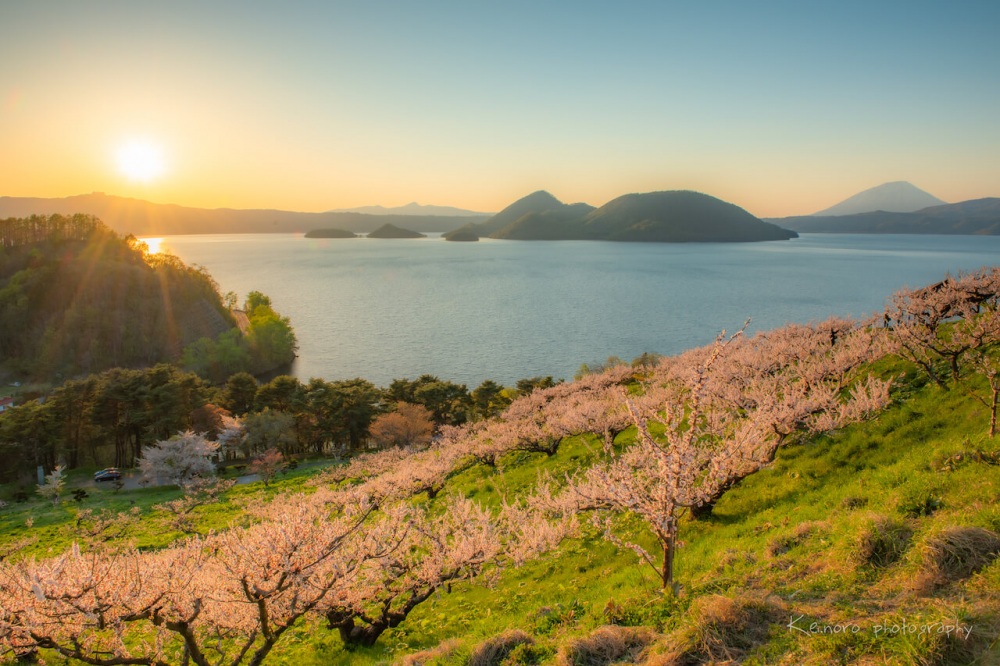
[[392, 231], [660, 217], [330, 233]]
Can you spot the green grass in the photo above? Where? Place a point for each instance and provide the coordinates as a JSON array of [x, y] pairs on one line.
[[786, 543]]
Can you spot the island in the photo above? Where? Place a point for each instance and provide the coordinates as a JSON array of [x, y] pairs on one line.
[[464, 234], [660, 217], [330, 233], [392, 231]]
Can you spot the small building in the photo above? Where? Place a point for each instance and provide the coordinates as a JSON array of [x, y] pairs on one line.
[[6, 403]]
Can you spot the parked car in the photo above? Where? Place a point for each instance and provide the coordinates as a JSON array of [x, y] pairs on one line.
[[109, 474]]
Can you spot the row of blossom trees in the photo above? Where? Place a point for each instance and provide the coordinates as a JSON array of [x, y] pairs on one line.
[[228, 597]]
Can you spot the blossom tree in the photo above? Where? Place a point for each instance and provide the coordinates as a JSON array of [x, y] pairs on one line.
[[180, 459], [408, 425], [955, 322], [54, 485], [227, 598], [267, 465], [709, 435], [947, 321], [458, 542]]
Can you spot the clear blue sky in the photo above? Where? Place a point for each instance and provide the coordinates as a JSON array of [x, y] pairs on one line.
[[780, 107]]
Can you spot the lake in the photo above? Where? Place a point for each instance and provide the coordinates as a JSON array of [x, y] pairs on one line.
[[504, 310]]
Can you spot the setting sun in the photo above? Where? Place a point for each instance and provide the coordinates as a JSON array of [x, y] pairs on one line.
[[141, 160]]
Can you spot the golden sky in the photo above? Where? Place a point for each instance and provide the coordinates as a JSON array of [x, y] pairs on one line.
[[781, 108]]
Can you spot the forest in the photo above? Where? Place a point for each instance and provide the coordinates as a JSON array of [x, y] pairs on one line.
[[679, 510]]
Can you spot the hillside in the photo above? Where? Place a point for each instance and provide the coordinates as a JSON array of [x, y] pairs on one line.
[[895, 197], [75, 298], [143, 218], [975, 217], [662, 217]]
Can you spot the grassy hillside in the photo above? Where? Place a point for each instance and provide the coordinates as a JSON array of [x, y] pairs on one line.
[[862, 546], [843, 530]]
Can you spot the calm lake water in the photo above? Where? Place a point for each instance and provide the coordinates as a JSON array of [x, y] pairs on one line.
[[504, 310]]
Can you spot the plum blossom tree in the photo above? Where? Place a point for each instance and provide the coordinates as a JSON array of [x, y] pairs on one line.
[[267, 465], [947, 321], [955, 323], [721, 413], [200, 492], [455, 543], [227, 598]]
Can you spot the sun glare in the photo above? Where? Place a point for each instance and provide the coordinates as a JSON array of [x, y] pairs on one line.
[[141, 160], [154, 244]]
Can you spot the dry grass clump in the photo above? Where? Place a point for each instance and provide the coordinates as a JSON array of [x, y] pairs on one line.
[[493, 651], [881, 542], [606, 645], [723, 630], [439, 653], [956, 553]]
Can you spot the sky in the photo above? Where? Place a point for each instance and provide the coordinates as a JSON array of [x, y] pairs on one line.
[[782, 108]]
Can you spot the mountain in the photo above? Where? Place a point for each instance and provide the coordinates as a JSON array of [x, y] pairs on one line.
[[392, 231], [412, 209], [672, 217], [978, 216], [143, 218], [896, 197], [536, 203]]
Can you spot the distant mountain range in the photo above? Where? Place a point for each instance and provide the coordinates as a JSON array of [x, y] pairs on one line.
[[896, 197], [144, 218], [414, 209], [677, 216], [672, 217], [978, 216]]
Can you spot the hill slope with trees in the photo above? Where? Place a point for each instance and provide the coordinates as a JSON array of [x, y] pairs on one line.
[[75, 298]]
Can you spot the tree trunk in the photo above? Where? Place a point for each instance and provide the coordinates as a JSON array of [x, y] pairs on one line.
[[667, 572], [351, 633], [995, 389]]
